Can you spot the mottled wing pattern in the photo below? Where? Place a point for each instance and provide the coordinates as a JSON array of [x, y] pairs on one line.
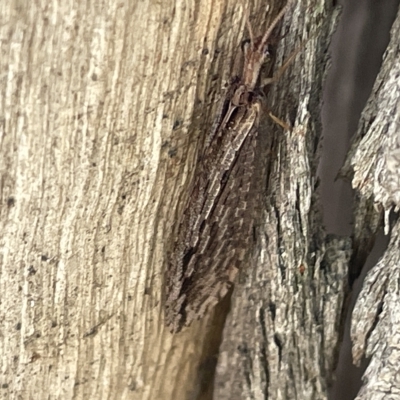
[[216, 227]]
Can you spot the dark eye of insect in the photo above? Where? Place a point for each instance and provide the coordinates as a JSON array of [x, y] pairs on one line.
[[245, 44]]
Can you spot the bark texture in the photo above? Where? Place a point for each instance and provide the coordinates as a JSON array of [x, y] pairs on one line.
[[98, 99], [281, 337], [374, 163], [104, 107]]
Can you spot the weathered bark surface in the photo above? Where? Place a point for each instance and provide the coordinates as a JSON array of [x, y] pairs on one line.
[[98, 102], [104, 106], [375, 163], [281, 337]]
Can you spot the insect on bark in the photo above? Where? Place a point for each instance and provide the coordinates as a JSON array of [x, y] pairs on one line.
[[217, 223]]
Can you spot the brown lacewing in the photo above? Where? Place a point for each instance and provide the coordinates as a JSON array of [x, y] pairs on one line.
[[217, 222]]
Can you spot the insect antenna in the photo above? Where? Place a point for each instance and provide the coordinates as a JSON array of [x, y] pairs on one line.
[[275, 22]]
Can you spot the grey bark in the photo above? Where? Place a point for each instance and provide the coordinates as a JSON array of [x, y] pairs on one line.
[[104, 107], [374, 164], [282, 335]]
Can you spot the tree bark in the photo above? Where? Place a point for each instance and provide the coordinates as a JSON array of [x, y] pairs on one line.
[[373, 163], [104, 108], [282, 335], [97, 105]]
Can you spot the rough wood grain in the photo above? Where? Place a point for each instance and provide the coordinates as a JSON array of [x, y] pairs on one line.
[[97, 107], [102, 113], [281, 337], [374, 164], [215, 231]]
